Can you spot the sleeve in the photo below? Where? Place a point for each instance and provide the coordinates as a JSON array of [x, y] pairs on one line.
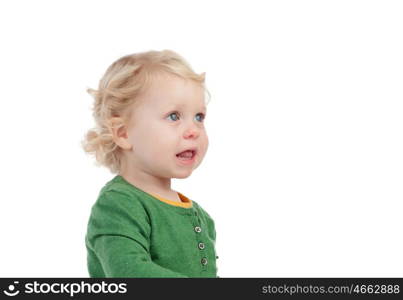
[[119, 231]]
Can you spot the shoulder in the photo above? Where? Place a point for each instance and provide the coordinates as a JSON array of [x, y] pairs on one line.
[[116, 192], [118, 211], [202, 211], [117, 201]]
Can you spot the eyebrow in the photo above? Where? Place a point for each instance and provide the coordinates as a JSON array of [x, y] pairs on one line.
[[177, 106]]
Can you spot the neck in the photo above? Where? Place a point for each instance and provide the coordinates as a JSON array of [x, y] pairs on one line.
[[145, 180]]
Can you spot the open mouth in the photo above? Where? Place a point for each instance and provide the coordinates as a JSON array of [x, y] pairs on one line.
[[186, 155]]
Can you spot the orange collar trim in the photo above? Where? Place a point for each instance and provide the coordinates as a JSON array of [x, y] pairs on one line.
[[186, 202]]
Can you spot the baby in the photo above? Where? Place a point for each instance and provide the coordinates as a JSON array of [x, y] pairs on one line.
[[149, 112]]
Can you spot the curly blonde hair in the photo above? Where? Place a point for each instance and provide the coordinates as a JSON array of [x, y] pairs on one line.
[[119, 88]]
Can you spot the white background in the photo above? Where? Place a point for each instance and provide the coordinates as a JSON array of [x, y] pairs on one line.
[[303, 175]]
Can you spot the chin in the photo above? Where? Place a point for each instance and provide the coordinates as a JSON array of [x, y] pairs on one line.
[[183, 175]]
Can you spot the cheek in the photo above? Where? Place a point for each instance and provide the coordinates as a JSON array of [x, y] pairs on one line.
[[159, 143], [142, 141], [205, 143], [145, 135]]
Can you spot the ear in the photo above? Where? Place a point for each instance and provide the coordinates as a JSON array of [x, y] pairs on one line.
[[119, 133]]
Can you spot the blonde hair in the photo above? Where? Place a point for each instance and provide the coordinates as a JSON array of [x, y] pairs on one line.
[[119, 89]]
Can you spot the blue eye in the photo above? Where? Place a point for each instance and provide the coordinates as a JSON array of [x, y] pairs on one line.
[[202, 116], [200, 119], [174, 113]]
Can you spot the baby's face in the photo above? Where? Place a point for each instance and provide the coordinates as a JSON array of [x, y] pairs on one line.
[[168, 120]]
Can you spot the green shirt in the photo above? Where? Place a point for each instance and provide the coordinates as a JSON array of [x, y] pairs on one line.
[[132, 233]]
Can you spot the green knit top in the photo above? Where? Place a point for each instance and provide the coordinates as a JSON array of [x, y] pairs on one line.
[[132, 233]]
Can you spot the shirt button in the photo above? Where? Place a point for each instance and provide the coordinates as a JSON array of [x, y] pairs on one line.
[[216, 256], [197, 229], [204, 261], [201, 246]]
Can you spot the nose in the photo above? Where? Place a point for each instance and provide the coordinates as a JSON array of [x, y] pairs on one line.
[[191, 132]]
